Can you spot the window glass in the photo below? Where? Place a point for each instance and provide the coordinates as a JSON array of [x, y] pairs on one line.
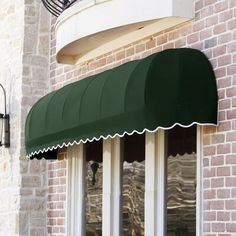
[[94, 189], [133, 185], [181, 181]]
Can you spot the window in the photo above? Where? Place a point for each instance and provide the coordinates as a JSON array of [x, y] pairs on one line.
[[145, 185], [133, 185], [93, 189], [181, 182]]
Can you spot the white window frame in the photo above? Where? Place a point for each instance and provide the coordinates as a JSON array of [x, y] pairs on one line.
[[155, 182], [112, 187], [76, 192], [155, 164]]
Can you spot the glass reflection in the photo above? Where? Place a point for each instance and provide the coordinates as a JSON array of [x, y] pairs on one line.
[[181, 190], [133, 198], [94, 199]]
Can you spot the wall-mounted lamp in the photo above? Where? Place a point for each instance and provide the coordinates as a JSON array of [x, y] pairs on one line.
[[4, 124]]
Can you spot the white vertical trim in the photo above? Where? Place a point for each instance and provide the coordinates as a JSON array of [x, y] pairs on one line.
[[199, 196], [76, 190], [154, 183], [112, 192], [161, 178], [150, 184]]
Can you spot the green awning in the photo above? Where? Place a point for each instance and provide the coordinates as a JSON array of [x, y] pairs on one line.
[[175, 86]]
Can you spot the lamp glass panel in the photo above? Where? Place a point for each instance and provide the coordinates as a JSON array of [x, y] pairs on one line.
[[1, 127]]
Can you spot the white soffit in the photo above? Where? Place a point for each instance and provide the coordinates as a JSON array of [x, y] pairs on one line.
[[92, 28]]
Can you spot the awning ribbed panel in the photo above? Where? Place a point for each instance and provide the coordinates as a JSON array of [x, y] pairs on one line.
[[175, 86]]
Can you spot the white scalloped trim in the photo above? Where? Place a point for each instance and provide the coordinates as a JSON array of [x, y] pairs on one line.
[[110, 136]]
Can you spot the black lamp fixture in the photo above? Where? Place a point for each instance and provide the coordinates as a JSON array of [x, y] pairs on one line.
[[4, 124], [56, 7]]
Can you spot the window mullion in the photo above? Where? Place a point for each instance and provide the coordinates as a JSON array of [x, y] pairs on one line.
[[199, 184], [112, 194], [76, 191], [161, 183], [154, 183]]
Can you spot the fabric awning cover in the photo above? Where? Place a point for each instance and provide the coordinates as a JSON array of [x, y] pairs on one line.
[[175, 86]]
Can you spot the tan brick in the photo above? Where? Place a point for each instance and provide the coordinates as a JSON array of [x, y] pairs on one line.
[[130, 51], [217, 182], [209, 194], [225, 38], [224, 83], [139, 48], [192, 38], [217, 160], [219, 28], [223, 193], [204, 34], [208, 151], [218, 227], [206, 227], [223, 171], [224, 104], [151, 43], [221, 6], [223, 148], [225, 15], [223, 216], [210, 216], [224, 60], [230, 182], [206, 140], [231, 114], [161, 39], [217, 205], [209, 172], [231, 227], [232, 24], [231, 136], [220, 72], [120, 55], [231, 159], [212, 20], [218, 138], [230, 204]]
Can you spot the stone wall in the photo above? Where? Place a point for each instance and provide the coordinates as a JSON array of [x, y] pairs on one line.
[[35, 84], [24, 72], [11, 46], [213, 31]]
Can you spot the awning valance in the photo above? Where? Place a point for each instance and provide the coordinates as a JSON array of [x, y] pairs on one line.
[[175, 86]]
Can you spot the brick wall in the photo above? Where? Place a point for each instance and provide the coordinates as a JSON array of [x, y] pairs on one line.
[[56, 203], [34, 85], [213, 31]]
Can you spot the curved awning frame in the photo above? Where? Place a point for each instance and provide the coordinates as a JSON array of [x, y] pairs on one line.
[[172, 87]]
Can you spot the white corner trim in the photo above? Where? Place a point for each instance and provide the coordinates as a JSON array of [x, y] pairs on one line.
[[199, 193]]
